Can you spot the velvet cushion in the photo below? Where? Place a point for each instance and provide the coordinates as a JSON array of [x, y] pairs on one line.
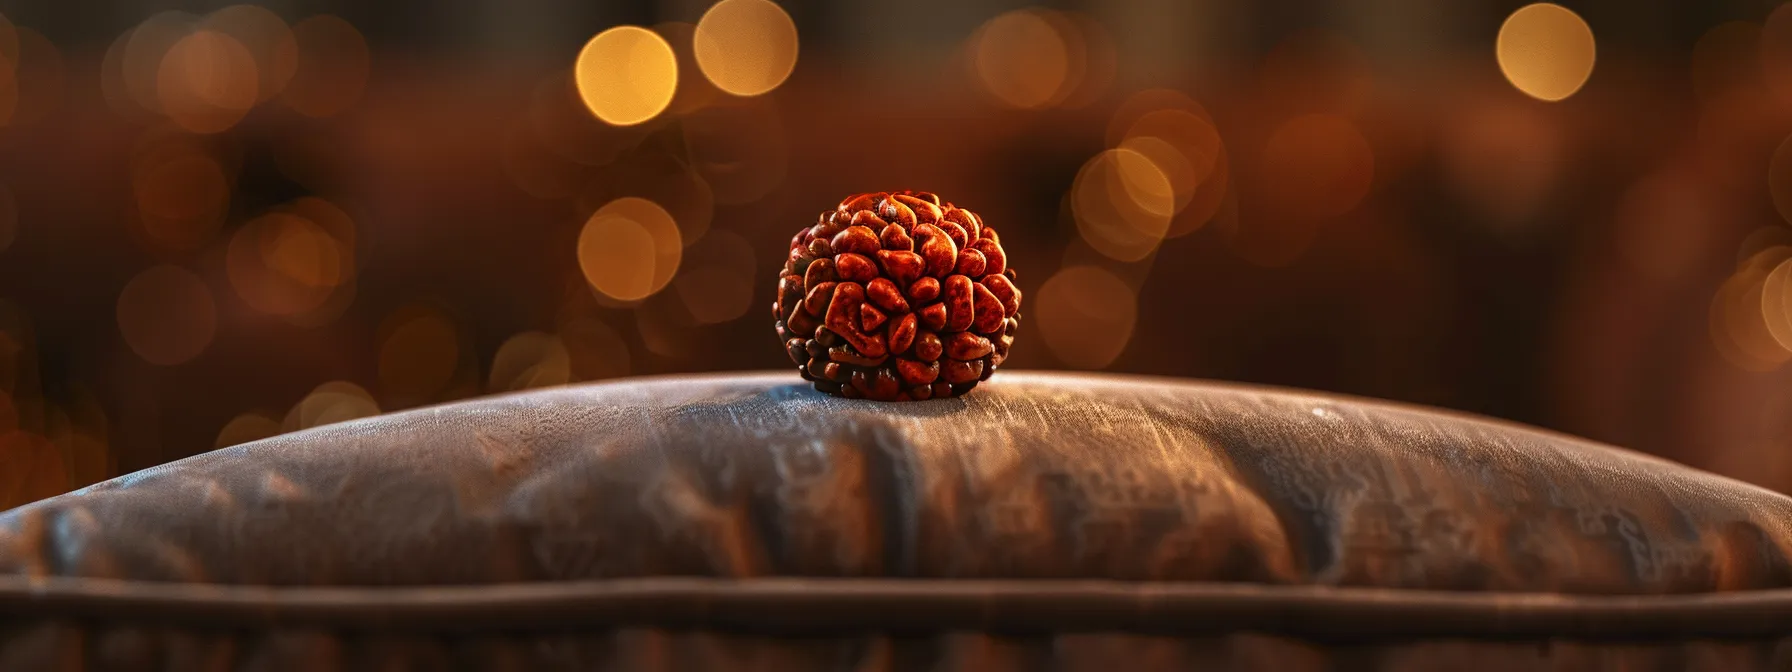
[[1162, 492]]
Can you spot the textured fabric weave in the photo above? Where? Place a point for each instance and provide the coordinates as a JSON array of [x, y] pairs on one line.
[[1035, 477]]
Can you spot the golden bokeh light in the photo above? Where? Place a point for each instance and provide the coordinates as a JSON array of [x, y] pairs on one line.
[[596, 350], [267, 38], [306, 253], [1739, 315], [629, 249], [420, 350], [716, 279], [331, 67], [626, 75], [182, 195], [617, 256], [1175, 166], [1546, 51], [244, 428], [167, 315], [283, 263], [1086, 315], [528, 360], [745, 47], [1189, 151], [9, 218], [333, 220], [1317, 166], [1776, 304], [1192, 137], [341, 229], [1122, 203], [1021, 59], [207, 81], [330, 403], [1143, 183]]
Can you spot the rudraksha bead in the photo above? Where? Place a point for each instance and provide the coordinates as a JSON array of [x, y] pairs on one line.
[[897, 296]]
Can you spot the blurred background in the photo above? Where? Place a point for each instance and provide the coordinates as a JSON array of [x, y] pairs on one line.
[[221, 222]]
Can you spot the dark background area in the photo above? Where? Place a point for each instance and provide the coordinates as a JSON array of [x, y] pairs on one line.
[[397, 222]]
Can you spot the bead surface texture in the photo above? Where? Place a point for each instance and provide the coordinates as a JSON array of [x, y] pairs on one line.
[[897, 296]]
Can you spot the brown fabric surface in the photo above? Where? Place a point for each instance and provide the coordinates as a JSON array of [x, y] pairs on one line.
[[1034, 476], [1044, 522]]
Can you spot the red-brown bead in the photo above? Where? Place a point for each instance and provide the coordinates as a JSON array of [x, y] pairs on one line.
[[896, 296]]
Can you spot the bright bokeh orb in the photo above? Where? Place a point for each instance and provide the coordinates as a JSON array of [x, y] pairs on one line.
[[1546, 50], [626, 75], [745, 47], [1187, 148], [629, 249], [283, 263], [1741, 310], [1122, 203]]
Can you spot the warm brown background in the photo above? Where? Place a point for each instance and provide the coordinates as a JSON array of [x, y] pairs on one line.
[[1553, 263]]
